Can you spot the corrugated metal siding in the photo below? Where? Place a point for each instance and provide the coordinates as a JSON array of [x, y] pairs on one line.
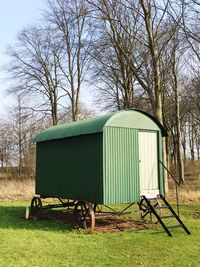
[[148, 157], [121, 165], [71, 168]]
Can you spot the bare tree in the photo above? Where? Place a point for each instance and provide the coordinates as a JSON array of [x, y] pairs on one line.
[[191, 96], [175, 60], [6, 144], [70, 21], [34, 66], [24, 126], [151, 34], [112, 76], [191, 25]]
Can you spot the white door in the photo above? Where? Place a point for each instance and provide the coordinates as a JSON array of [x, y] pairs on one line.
[[148, 160]]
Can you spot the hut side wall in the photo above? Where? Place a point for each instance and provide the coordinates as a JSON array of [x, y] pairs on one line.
[[71, 168], [121, 165]]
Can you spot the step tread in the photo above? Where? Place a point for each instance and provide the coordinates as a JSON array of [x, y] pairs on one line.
[[161, 207], [154, 198], [174, 226], [167, 216]]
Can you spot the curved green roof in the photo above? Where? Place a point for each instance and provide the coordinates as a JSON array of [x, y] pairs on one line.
[[76, 128], [89, 126]]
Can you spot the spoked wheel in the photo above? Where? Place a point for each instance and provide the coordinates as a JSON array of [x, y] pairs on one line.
[[84, 214], [36, 207]]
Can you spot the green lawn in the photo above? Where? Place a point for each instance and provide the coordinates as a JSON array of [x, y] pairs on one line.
[[48, 243]]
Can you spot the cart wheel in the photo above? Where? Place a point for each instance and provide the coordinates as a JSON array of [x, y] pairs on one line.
[[84, 214], [36, 207]]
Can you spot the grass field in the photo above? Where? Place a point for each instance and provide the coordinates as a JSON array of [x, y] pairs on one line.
[[49, 243]]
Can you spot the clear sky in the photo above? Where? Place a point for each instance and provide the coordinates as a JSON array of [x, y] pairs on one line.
[[14, 16]]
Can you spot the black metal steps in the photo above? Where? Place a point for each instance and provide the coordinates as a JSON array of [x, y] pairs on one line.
[[151, 209]]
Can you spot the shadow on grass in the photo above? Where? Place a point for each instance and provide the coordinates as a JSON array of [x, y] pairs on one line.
[[63, 221], [14, 217]]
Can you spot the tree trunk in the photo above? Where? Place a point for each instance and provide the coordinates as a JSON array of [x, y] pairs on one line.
[[20, 136], [191, 138], [179, 152], [177, 113]]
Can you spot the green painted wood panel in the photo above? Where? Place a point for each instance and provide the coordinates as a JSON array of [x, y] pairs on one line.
[[121, 165], [71, 168]]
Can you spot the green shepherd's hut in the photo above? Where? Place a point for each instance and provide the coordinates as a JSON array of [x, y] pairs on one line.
[[107, 160], [113, 159]]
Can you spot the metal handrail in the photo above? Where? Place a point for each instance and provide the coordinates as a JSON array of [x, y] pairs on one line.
[[177, 184]]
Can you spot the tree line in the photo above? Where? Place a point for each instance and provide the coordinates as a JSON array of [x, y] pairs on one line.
[[131, 54]]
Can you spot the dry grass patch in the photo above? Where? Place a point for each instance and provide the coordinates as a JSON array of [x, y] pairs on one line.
[[14, 189], [189, 195], [190, 190], [184, 195]]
